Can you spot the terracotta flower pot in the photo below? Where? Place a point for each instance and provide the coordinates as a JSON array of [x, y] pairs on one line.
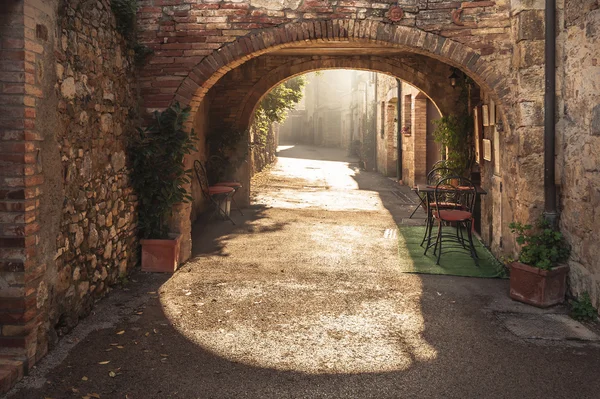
[[541, 288], [161, 256]]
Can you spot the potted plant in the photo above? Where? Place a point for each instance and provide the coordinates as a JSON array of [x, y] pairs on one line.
[[538, 278], [160, 180]]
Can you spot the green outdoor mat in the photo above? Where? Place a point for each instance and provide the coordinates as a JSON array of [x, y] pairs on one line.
[[457, 263]]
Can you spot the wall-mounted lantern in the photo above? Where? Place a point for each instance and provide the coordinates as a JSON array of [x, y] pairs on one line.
[[453, 78]]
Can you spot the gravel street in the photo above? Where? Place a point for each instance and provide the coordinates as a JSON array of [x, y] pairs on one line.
[[302, 299]]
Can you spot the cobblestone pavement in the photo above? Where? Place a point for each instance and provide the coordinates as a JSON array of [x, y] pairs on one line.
[[302, 299]]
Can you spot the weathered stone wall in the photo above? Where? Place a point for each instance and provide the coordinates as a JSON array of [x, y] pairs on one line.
[[262, 156], [68, 225], [578, 140], [97, 108]]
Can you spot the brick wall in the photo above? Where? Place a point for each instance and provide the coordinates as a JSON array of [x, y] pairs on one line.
[[23, 290], [67, 217]]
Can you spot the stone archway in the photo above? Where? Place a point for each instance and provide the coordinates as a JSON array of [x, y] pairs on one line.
[[366, 32], [444, 99], [362, 35]]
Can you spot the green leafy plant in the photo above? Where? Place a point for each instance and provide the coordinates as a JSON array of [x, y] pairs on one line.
[[125, 14], [158, 173], [226, 147], [455, 133], [275, 107], [124, 11], [227, 153], [542, 249], [582, 308]]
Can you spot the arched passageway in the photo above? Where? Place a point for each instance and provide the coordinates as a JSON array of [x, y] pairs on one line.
[[225, 87]]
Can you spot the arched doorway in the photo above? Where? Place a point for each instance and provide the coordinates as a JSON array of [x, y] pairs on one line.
[[226, 85]]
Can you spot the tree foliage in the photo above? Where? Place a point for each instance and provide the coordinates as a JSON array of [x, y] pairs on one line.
[[158, 172], [275, 106]]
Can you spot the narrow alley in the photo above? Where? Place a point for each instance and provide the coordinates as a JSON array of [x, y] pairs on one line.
[[303, 298]]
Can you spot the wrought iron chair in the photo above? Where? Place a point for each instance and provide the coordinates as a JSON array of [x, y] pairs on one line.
[[433, 177], [461, 192], [233, 184], [422, 199], [215, 194]]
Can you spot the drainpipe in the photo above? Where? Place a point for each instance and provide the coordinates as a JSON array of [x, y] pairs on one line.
[[550, 211], [374, 123], [399, 130]]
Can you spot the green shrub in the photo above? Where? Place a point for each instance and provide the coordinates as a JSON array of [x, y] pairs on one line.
[[158, 173], [543, 249], [582, 308]]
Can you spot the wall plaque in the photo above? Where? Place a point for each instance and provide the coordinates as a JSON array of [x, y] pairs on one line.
[[487, 149], [395, 13]]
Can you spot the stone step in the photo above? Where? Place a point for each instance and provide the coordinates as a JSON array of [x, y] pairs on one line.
[[12, 370]]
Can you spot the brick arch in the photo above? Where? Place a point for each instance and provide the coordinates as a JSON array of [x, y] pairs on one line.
[[424, 82], [214, 66]]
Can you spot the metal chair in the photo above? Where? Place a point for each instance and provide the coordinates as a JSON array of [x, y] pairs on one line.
[[215, 194], [217, 160], [461, 192], [433, 177], [437, 165]]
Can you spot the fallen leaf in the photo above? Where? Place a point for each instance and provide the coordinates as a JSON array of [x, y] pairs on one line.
[[104, 362], [164, 355], [152, 292], [107, 350], [147, 334], [112, 374], [120, 347], [188, 293], [94, 395], [155, 331], [84, 378], [75, 390], [114, 344], [139, 313], [121, 332]]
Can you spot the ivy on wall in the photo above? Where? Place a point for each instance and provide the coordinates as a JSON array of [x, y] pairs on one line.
[[125, 15], [455, 133], [226, 147], [275, 107]]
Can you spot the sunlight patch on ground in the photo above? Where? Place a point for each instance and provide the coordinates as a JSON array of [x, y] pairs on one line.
[[284, 147], [373, 336]]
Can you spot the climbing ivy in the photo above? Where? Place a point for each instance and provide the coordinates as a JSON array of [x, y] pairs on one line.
[[455, 133], [275, 107], [125, 15], [124, 11], [158, 174]]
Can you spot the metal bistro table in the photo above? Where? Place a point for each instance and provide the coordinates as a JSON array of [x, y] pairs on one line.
[[428, 190]]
